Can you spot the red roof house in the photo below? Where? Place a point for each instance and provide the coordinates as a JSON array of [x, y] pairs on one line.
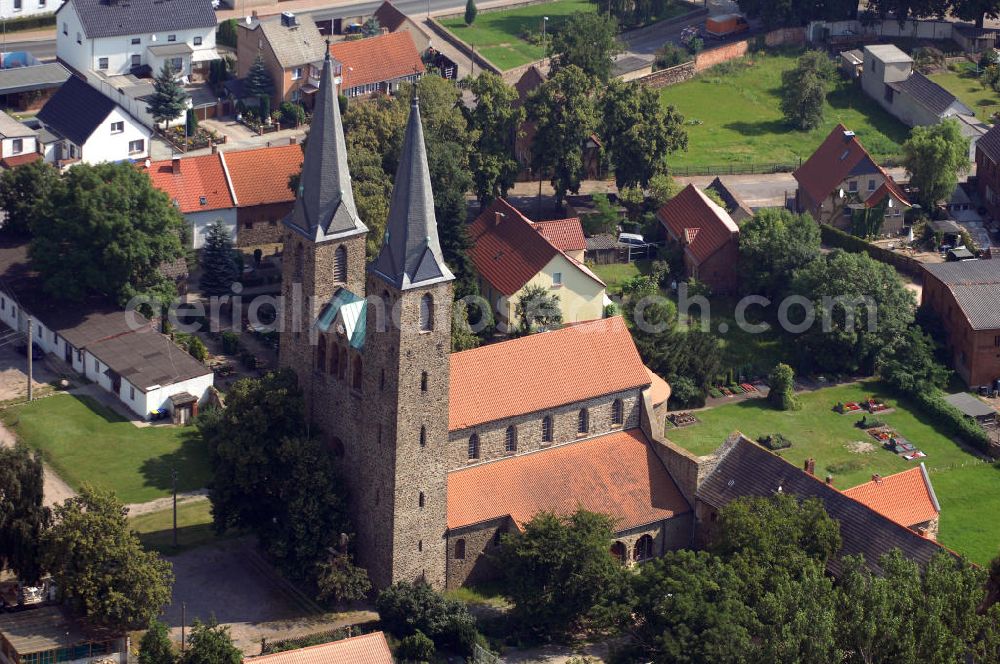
[[260, 180], [377, 64], [365, 649], [709, 236], [200, 189], [907, 498], [565, 234]]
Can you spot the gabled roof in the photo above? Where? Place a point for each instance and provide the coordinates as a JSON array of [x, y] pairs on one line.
[[411, 252], [928, 94], [199, 185], [617, 474], [76, 110], [389, 17], [35, 77], [11, 128], [838, 157], [581, 361], [735, 204], [989, 144], [111, 18], [907, 497], [365, 649], [564, 234], [293, 45], [748, 470], [976, 287], [693, 217], [530, 79], [885, 189], [350, 310], [377, 59], [260, 176]]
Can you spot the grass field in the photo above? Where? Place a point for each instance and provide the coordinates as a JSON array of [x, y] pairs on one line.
[[733, 116], [965, 85], [497, 35], [967, 488], [88, 443], [194, 528]]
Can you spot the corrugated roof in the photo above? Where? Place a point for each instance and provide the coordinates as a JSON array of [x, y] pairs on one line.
[[970, 405], [365, 649], [617, 474], [296, 45], [199, 185], [261, 176], [76, 110], [111, 18], [35, 77], [749, 470], [377, 59], [564, 234], [927, 93], [907, 497], [976, 287], [693, 215], [146, 358], [989, 144], [544, 370]]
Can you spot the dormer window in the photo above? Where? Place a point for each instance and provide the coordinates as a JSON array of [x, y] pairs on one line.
[[202, 200]]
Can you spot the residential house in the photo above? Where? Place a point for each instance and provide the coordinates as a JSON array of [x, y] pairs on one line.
[[90, 127], [292, 50], [840, 177], [708, 236], [391, 19], [888, 77], [510, 255], [965, 296], [260, 185], [988, 170], [907, 498], [120, 351], [117, 37], [199, 187], [365, 649], [530, 80], [18, 142], [50, 634], [566, 235], [14, 9], [376, 65], [26, 83]]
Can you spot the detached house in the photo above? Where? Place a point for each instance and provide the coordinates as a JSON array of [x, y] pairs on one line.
[[707, 234], [199, 187], [511, 254], [86, 126], [840, 177], [116, 37], [292, 51]]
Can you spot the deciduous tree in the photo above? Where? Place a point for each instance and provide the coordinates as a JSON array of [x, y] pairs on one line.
[[537, 310], [911, 366], [588, 41], [406, 609], [803, 90], [211, 643], [935, 156], [22, 189], [23, 516], [496, 118], [169, 99], [156, 646], [773, 244], [782, 388]]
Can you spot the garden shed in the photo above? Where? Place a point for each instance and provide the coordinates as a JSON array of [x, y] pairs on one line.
[[972, 407]]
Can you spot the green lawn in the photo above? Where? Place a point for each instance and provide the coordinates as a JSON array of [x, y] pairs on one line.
[[967, 488], [615, 274], [965, 85], [497, 35], [733, 116], [88, 443], [194, 528]]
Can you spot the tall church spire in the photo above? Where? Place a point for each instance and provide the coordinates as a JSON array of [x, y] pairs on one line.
[[324, 206], [411, 252]]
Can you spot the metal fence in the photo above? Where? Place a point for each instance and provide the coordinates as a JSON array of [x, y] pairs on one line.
[[764, 168]]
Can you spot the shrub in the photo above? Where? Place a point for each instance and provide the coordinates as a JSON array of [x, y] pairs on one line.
[[230, 342], [669, 55], [416, 647], [685, 393], [196, 348], [409, 608], [292, 114], [774, 442], [869, 422], [782, 392], [839, 408], [849, 466]]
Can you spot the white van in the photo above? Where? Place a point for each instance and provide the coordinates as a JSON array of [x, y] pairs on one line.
[[633, 239]]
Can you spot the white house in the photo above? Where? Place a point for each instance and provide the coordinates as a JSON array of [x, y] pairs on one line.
[[201, 190], [18, 142], [91, 128], [17, 8], [117, 37]]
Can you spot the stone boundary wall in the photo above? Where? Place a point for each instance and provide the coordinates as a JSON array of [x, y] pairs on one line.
[[669, 76], [715, 56]]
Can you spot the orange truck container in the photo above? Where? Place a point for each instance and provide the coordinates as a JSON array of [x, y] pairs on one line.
[[726, 25]]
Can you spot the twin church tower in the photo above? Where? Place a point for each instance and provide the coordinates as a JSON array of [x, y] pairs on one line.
[[370, 344]]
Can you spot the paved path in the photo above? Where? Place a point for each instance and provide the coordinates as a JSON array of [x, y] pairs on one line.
[[167, 502], [55, 490]]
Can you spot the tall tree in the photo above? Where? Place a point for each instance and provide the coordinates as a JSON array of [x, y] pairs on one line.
[[935, 156], [100, 568], [803, 90], [22, 189], [496, 118], [638, 133], [470, 12], [773, 244], [107, 231], [156, 646], [218, 261], [588, 41], [976, 10], [537, 310], [782, 388], [779, 13], [258, 81], [911, 366], [169, 99], [565, 116], [211, 643], [23, 517]]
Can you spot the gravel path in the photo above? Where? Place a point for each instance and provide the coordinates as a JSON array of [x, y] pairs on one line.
[[160, 504], [55, 489]]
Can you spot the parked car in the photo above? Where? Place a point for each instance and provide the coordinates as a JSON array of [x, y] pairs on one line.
[[36, 351], [634, 239]]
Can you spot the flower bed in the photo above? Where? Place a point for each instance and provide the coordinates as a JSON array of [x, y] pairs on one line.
[[846, 408]]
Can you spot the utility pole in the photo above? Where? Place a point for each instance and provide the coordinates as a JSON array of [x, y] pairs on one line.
[[31, 347], [183, 622], [173, 477], [472, 60]]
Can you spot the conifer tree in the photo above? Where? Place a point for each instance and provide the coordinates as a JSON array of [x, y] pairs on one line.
[[169, 99], [218, 261], [259, 83], [470, 12]]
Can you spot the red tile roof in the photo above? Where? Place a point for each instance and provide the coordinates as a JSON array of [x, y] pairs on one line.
[[617, 474], [197, 178], [377, 59], [565, 234], [694, 218], [660, 389], [833, 162], [907, 497], [19, 159], [366, 649], [509, 253], [580, 361], [887, 187], [261, 176]]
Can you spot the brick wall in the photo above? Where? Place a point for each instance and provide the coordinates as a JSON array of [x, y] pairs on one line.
[[669, 76], [715, 56], [974, 354], [785, 36]]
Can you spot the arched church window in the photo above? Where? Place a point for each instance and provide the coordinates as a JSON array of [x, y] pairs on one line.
[[474, 446], [618, 412], [510, 441], [340, 264], [426, 313]]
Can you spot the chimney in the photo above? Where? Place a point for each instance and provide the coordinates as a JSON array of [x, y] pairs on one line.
[[876, 478], [497, 218], [829, 480], [215, 148], [288, 19], [810, 466], [176, 165], [253, 13], [292, 140]]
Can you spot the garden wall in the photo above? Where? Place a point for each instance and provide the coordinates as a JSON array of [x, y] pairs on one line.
[[785, 37], [835, 237], [717, 56], [669, 76]]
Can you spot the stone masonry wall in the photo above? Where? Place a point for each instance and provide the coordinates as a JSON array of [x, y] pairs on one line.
[[480, 544], [260, 224], [492, 435], [715, 56], [669, 76]]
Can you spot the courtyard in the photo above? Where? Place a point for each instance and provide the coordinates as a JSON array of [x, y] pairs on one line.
[[757, 134], [86, 442], [966, 485]]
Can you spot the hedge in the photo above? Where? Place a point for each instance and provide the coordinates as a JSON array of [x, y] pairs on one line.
[[834, 237], [951, 419], [31, 22]]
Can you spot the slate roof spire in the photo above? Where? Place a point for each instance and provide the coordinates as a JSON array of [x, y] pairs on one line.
[[324, 207], [411, 252]]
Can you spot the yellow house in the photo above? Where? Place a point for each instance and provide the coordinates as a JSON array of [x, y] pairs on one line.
[[511, 254]]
